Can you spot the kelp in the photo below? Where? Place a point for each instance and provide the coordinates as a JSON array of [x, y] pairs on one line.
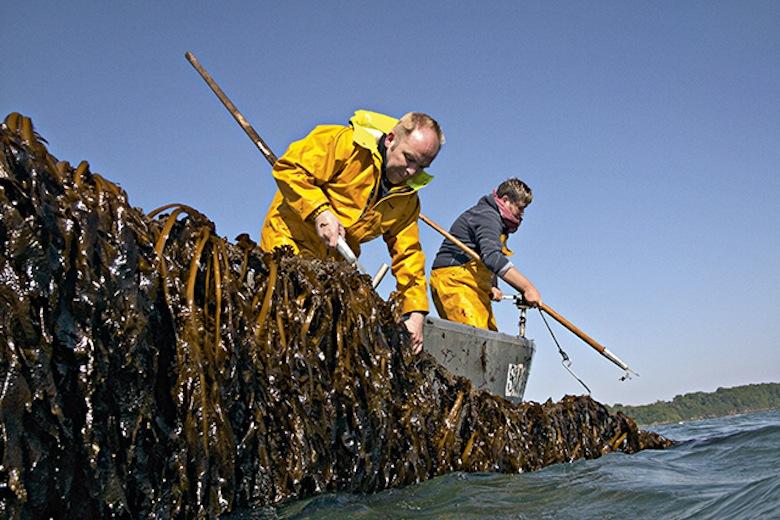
[[152, 368]]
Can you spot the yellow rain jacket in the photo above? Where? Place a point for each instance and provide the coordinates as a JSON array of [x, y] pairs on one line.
[[339, 167]]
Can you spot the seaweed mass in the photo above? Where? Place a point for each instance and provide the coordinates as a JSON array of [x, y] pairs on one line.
[[151, 368]]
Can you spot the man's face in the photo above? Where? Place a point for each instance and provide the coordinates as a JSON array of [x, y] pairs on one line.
[[517, 209], [410, 153]]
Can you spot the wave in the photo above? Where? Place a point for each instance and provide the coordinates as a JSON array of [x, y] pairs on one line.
[[758, 499], [724, 468]]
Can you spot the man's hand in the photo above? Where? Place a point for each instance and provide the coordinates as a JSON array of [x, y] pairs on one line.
[[496, 294], [516, 279], [414, 324], [328, 227], [532, 296]]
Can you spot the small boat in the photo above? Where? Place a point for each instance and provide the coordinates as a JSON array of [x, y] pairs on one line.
[[492, 361]]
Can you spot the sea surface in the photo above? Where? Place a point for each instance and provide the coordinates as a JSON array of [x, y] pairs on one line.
[[722, 468]]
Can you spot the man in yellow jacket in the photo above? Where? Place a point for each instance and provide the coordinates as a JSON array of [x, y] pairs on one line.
[[359, 182]]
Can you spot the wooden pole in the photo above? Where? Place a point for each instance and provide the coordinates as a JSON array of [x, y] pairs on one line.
[[254, 136], [342, 248], [543, 306]]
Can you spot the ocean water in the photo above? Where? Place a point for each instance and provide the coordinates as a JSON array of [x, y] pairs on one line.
[[721, 469]]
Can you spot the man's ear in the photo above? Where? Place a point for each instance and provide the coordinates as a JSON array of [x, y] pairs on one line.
[[389, 139]]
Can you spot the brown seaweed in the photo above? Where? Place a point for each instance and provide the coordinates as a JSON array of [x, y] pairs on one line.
[[151, 368]]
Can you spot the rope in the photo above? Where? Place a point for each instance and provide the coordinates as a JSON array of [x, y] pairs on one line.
[[565, 361]]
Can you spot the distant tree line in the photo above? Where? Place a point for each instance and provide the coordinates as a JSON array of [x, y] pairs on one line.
[[703, 405]]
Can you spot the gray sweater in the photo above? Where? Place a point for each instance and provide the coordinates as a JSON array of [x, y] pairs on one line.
[[480, 228]]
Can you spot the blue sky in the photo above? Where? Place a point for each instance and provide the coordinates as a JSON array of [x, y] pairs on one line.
[[649, 132]]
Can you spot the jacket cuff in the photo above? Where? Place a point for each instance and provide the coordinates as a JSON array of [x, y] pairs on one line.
[[321, 208], [415, 304]]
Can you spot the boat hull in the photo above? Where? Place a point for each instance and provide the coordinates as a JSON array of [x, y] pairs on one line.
[[493, 361]]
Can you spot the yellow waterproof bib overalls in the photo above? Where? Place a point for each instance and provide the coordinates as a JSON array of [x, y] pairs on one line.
[[461, 293]]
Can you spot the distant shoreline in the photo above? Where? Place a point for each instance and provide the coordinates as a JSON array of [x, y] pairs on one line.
[[705, 405], [740, 412]]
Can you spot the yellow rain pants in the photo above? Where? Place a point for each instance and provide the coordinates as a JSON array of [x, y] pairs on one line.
[[462, 294]]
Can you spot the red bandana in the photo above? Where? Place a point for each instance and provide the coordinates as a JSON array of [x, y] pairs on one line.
[[510, 220]]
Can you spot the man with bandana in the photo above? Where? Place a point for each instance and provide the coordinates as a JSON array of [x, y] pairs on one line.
[[463, 287]]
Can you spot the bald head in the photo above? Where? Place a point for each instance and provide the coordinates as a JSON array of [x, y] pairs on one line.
[[412, 145]]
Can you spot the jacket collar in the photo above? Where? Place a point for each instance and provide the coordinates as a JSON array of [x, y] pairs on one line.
[[488, 199], [368, 127]]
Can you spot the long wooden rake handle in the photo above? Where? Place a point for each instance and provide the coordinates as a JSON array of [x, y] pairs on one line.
[[546, 308]]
